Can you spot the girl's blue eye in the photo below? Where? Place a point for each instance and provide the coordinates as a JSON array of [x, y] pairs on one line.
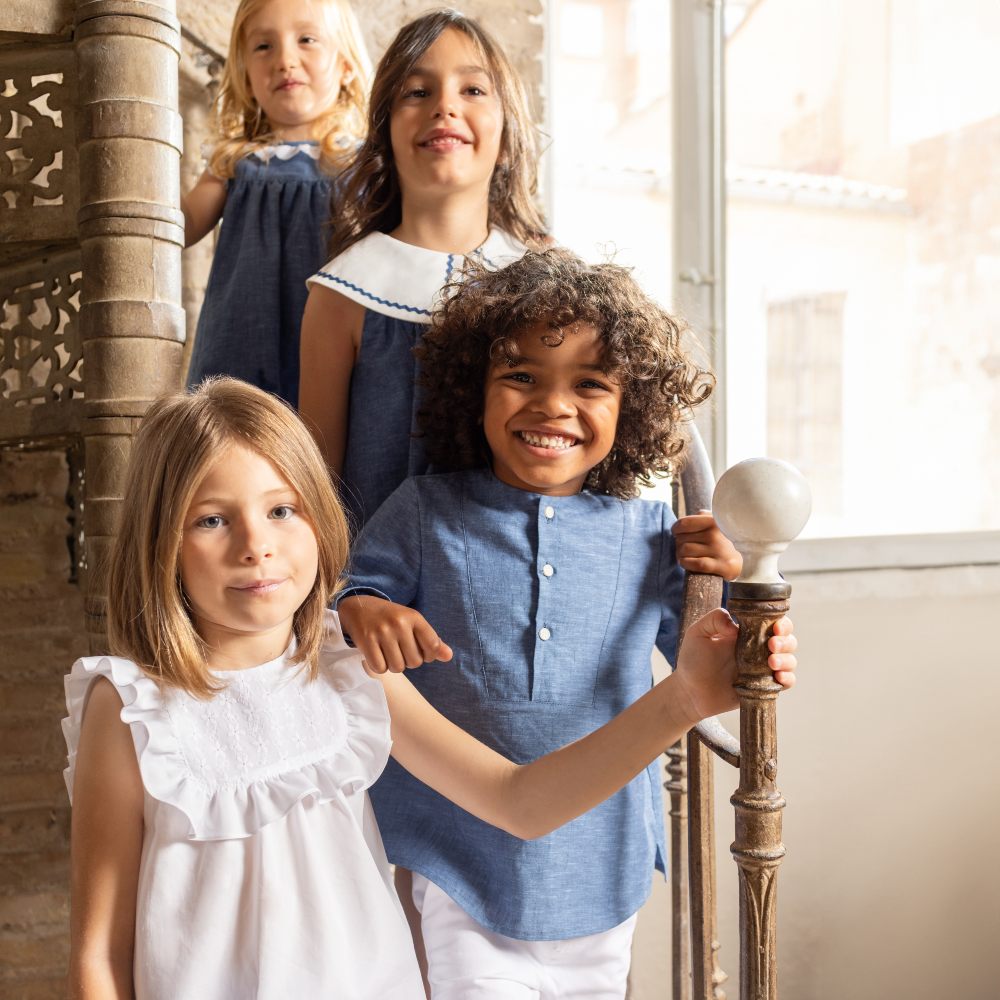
[[209, 521], [283, 512]]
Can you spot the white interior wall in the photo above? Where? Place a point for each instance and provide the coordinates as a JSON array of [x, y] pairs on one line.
[[890, 768]]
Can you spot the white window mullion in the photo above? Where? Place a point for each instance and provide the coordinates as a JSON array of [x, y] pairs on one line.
[[699, 195]]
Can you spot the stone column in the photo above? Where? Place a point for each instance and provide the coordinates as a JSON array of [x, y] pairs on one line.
[[131, 237]]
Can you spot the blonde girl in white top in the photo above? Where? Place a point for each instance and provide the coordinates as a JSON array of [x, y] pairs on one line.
[[222, 841]]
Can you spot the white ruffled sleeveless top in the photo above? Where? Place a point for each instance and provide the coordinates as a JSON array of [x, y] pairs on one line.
[[263, 873]]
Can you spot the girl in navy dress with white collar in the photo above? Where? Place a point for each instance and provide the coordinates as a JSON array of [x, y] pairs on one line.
[[291, 109], [448, 171], [556, 388]]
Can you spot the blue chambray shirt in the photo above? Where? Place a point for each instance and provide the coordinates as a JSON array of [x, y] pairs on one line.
[[552, 606]]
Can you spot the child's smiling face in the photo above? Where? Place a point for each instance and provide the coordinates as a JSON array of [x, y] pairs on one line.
[[552, 417], [294, 68], [248, 559], [447, 125]]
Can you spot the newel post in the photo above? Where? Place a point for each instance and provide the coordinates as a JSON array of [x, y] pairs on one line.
[[761, 505]]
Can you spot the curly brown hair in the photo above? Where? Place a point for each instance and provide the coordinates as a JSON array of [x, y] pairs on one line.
[[369, 199], [477, 325]]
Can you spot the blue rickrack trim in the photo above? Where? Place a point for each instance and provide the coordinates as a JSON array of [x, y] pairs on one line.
[[368, 295], [451, 267], [479, 253]]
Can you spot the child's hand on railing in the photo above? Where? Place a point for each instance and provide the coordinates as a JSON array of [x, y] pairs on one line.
[[390, 636], [703, 548], [706, 664]]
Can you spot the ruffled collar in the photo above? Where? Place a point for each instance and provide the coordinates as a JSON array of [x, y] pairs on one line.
[[404, 281], [345, 758], [286, 150]]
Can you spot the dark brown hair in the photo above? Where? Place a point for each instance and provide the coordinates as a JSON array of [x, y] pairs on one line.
[[369, 199], [180, 438], [478, 324]]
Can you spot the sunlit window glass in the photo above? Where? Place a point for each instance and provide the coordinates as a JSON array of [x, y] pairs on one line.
[[863, 257]]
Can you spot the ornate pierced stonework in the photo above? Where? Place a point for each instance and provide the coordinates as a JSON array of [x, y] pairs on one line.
[[38, 161], [41, 353]]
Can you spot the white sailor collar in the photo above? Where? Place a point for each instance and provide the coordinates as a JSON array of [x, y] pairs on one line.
[[404, 281]]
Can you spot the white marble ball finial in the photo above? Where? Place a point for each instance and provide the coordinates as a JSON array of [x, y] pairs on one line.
[[761, 504]]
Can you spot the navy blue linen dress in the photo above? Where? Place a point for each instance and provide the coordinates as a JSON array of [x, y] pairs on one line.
[[273, 237]]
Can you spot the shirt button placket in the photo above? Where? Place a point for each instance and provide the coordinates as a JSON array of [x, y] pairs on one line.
[[546, 594]]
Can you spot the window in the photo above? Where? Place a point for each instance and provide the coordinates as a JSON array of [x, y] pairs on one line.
[[863, 144], [836, 244]]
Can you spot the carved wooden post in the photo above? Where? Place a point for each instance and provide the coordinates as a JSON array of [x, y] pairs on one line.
[[761, 504], [131, 236], [680, 958], [696, 972]]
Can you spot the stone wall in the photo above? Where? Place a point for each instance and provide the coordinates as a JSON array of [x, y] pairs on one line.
[[41, 633]]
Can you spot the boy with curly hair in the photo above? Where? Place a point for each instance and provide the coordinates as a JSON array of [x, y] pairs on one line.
[[552, 390]]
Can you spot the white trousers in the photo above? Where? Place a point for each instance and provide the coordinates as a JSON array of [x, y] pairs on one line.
[[468, 962]]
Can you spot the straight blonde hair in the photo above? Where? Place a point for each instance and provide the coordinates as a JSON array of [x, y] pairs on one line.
[[241, 124], [180, 438]]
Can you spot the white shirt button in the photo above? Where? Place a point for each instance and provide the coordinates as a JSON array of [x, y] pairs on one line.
[[550, 512], [547, 570], [544, 634]]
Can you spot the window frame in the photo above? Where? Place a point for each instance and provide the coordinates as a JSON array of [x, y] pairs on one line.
[[699, 289], [698, 281]]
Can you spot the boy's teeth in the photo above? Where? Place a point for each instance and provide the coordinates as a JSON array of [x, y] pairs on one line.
[[546, 440]]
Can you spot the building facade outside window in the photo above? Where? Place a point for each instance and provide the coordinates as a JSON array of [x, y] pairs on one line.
[[860, 254]]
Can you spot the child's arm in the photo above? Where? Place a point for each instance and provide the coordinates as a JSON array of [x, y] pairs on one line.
[[533, 799], [106, 845], [703, 548], [390, 636], [202, 207], [331, 336]]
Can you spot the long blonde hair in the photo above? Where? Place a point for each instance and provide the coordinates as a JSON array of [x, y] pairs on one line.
[[241, 124], [179, 439], [370, 199]]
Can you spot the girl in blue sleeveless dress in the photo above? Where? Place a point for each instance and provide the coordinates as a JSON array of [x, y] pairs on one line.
[[291, 100], [448, 169]]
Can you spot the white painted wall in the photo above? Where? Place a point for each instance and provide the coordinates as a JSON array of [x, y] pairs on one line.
[[890, 767]]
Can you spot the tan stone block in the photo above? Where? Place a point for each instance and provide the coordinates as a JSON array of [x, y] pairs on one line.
[[108, 174], [107, 459], [41, 912], [37, 788], [37, 957], [128, 373], [210, 22], [44, 828], [24, 744], [130, 67], [38, 17], [22, 697], [21, 569], [53, 988]]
